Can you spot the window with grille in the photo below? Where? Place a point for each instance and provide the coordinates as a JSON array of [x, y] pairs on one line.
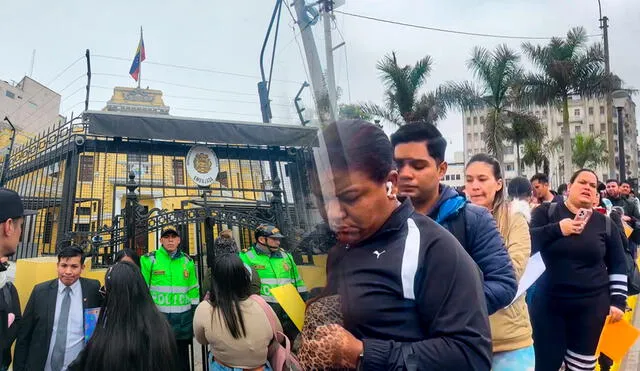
[[590, 111], [137, 158], [48, 227], [86, 169], [178, 172], [82, 210]]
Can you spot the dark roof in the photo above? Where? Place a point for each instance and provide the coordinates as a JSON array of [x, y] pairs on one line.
[[163, 127]]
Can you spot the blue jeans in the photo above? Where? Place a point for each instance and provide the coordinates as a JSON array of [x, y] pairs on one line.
[[515, 360], [215, 366]]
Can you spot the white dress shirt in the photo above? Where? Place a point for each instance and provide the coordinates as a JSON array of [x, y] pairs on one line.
[[75, 325]]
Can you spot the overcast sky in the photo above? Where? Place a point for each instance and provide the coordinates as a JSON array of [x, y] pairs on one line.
[[226, 36]]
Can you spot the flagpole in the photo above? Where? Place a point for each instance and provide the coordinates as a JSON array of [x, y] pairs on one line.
[[140, 67]]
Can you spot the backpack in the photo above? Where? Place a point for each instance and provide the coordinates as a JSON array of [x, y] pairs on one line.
[[633, 274], [458, 227]]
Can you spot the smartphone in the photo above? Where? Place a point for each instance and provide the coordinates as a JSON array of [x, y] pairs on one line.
[[583, 215]]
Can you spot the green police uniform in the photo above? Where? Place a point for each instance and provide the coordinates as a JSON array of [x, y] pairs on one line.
[[275, 269], [173, 285]]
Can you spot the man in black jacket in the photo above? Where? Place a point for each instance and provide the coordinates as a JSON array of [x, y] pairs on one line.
[[52, 332], [10, 315], [631, 212]]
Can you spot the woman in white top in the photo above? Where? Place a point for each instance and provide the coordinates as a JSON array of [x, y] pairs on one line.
[[235, 326]]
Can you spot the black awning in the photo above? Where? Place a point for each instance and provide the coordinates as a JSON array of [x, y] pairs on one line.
[[163, 127]]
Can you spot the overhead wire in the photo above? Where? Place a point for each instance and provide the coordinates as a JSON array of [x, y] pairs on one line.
[[199, 98], [45, 86], [42, 112], [438, 29], [191, 68], [189, 86], [295, 37], [346, 58]]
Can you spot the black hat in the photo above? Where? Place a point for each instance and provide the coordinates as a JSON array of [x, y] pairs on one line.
[[169, 230], [268, 230], [11, 205], [519, 187]]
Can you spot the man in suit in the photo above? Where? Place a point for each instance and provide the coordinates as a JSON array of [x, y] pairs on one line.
[[52, 331]]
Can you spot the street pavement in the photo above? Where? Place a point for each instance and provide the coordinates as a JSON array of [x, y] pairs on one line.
[[632, 361]]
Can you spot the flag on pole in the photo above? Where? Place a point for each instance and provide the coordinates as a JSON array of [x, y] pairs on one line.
[[137, 59]]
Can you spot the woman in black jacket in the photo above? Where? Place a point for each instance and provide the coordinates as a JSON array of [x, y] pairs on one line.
[[410, 295], [585, 278]]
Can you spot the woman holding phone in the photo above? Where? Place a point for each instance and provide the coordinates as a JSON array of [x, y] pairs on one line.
[[585, 278]]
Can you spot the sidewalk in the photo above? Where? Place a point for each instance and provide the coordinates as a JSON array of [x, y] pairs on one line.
[[632, 361]]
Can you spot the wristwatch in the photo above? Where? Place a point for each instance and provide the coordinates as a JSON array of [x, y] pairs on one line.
[[359, 364]]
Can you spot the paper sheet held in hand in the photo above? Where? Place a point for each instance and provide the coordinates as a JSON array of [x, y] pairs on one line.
[[534, 269]]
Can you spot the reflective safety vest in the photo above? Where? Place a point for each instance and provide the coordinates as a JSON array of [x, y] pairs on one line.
[[275, 269], [173, 285]]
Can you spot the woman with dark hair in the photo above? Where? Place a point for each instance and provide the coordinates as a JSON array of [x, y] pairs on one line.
[[585, 278], [131, 334], [510, 327], [127, 255], [235, 326], [408, 293]]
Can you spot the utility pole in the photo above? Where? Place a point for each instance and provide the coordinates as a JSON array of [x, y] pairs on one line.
[[327, 13], [604, 26], [7, 157], [307, 16]]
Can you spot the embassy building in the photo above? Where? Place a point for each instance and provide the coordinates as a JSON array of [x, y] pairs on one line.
[[115, 178]]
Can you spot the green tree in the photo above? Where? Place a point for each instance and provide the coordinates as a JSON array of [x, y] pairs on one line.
[[499, 79], [403, 101], [566, 67], [536, 152], [589, 151], [524, 127], [353, 112]]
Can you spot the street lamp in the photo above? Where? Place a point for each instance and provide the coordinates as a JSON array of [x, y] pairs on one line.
[[620, 98]]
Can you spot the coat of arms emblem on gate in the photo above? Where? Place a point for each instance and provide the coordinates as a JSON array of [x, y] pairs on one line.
[[202, 165]]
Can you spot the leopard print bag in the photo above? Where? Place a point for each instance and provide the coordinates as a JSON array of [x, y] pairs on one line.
[[324, 311]]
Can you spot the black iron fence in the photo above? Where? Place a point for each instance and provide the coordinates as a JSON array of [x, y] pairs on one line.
[[105, 193]]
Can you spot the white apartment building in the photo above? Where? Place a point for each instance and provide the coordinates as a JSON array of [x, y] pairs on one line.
[[31, 106], [586, 117], [455, 171]]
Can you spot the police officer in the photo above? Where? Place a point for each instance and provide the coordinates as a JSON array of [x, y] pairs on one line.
[[275, 268], [172, 280]]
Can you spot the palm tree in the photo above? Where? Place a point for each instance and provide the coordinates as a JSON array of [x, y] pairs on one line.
[[537, 152], [524, 127], [403, 103], [589, 151], [352, 112], [567, 67], [499, 76], [534, 155]]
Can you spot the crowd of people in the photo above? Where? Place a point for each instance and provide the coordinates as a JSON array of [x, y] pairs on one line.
[[420, 276]]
